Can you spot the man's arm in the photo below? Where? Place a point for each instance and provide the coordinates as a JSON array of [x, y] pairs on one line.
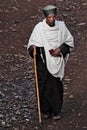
[[64, 49]]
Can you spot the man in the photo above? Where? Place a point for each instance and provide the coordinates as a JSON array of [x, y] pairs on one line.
[[53, 42]]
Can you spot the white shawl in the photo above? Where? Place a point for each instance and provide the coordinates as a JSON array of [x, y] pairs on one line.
[[51, 38]]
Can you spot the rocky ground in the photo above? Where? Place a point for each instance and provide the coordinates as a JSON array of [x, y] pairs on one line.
[[18, 106]]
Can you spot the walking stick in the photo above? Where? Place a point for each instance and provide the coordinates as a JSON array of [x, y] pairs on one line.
[[37, 89]]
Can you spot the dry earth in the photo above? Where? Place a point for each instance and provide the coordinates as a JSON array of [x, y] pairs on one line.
[[18, 106]]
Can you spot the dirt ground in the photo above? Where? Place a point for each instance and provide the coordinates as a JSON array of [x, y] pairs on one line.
[[18, 106]]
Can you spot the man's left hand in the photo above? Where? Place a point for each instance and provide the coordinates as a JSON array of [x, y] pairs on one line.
[[56, 52]]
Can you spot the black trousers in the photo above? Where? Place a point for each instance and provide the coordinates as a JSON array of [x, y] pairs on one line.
[[50, 89]]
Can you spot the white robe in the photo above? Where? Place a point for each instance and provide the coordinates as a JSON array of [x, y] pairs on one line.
[[51, 38]]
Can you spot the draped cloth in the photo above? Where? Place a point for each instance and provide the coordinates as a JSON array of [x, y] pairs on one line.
[[52, 38]]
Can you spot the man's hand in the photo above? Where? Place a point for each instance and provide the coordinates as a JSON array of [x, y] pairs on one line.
[[55, 52], [31, 49]]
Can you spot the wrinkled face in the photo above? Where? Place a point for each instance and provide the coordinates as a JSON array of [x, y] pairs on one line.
[[50, 20]]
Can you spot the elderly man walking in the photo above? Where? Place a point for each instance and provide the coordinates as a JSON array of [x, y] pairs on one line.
[[53, 42]]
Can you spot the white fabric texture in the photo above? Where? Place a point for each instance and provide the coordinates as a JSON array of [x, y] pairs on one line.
[[51, 38]]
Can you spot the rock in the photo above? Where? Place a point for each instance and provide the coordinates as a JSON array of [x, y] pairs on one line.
[[59, 0], [71, 96], [8, 125], [67, 79], [34, 17], [25, 46], [15, 8], [1, 31], [66, 93], [14, 118], [84, 127], [1, 116], [3, 123], [16, 128], [13, 29], [36, 128], [73, 110], [84, 3], [81, 24], [65, 87], [65, 14], [70, 122], [27, 119], [49, 126], [2, 94], [79, 114], [17, 112]]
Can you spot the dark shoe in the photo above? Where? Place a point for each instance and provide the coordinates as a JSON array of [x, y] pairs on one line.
[[57, 117], [46, 116]]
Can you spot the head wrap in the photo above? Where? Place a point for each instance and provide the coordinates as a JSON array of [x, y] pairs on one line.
[[50, 10]]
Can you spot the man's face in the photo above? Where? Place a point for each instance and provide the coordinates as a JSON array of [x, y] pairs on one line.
[[50, 20]]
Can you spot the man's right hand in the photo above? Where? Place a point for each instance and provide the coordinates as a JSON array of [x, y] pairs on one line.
[[31, 49]]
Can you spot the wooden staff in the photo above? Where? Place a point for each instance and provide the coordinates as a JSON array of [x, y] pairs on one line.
[[37, 89]]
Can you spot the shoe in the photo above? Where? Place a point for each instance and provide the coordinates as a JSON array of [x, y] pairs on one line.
[[46, 116], [57, 117]]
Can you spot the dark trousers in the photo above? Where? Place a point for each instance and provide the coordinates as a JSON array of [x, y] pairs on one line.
[[50, 89]]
